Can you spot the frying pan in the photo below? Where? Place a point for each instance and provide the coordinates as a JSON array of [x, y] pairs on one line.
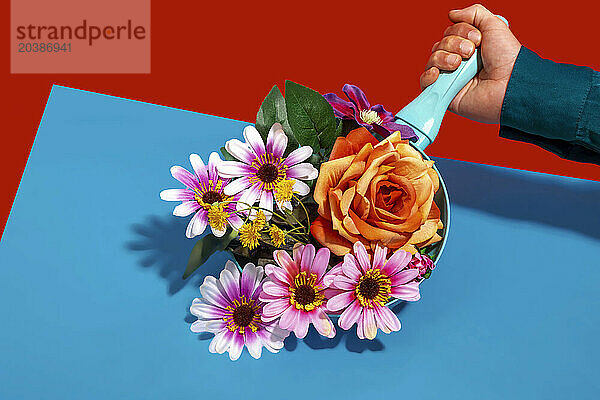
[[425, 114]]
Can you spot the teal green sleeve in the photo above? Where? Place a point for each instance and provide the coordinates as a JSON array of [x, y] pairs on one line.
[[555, 106]]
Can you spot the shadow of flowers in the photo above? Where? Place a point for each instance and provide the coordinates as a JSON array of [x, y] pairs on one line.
[[163, 246]]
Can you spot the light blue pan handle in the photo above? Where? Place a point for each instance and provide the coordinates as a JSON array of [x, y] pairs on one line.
[[425, 113]]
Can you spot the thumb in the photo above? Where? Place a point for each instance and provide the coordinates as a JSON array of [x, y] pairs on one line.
[[476, 15]]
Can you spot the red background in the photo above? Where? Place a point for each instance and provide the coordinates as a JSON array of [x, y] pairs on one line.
[[221, 58]]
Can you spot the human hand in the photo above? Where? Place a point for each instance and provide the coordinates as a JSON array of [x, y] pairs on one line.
[[481, 99]]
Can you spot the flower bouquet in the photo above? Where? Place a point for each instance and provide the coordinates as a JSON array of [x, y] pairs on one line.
[[329, 214]]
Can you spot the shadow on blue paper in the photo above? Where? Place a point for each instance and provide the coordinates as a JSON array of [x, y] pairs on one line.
[[559, 202]]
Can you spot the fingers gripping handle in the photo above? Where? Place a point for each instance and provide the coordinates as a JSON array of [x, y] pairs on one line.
[[425, 113]]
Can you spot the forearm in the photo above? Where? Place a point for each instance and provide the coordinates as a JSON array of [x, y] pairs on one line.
[[555, 106]]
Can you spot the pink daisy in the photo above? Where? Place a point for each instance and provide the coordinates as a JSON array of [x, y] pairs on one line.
[[262, 173], [203, 197], [230, 309], [363, 288], [295, 293]]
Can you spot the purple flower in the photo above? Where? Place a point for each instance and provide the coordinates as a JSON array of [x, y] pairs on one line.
[[360, 287], [263, 174], [371, 117], [295, 294], [230, 309], [203, 196], [422, 263]]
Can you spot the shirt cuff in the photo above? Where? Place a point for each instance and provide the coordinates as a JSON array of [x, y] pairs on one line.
[[553, 106]]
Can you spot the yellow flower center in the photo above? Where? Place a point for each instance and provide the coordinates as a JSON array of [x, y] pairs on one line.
[[305, 294], [209, 194], [243, 314], [277, 236], [370, 117], [284, 190], [373, 287], [249, 235], [260, 221], [217, 217], [268, 171]]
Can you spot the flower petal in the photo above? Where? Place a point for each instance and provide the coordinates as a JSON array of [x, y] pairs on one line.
[[308, 255], [177, 194], [240, 150], [236, 186], [301, 328], [283, 259], [350, 267], [235, 221], [321, 262], [304, 171], [277, 273], [266, 203], [233, 169], [300, 187], [254, 140], [369, 325], [409, 292], [322, 323], [340, 301], [202, 308], [341, 108], [221, 342], [213, 166], [248, 198], [197, 224], [274, 309], [362, 256], [298, 155], [379, 256], [404, 276], [236, 346], [184, 176], [253, 343], [230, 284], [357, 96], [386, 316], [350, 315], [398, 261], [199, 167], [248, 280], [275, 289], [289, 318], [276, 140], [218, 232], [186, 208], [211, 291], [344, 283]]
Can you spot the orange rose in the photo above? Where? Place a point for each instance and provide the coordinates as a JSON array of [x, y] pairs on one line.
[[376, 193]]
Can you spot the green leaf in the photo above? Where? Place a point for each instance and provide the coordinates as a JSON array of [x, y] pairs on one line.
[[310, 117], [271, 111], [204, 248], [226, 155]]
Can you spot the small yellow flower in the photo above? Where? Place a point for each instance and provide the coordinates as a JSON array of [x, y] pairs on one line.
[[284, 190], [217, 217], [260, 221], [277, 236], [249, 235]]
